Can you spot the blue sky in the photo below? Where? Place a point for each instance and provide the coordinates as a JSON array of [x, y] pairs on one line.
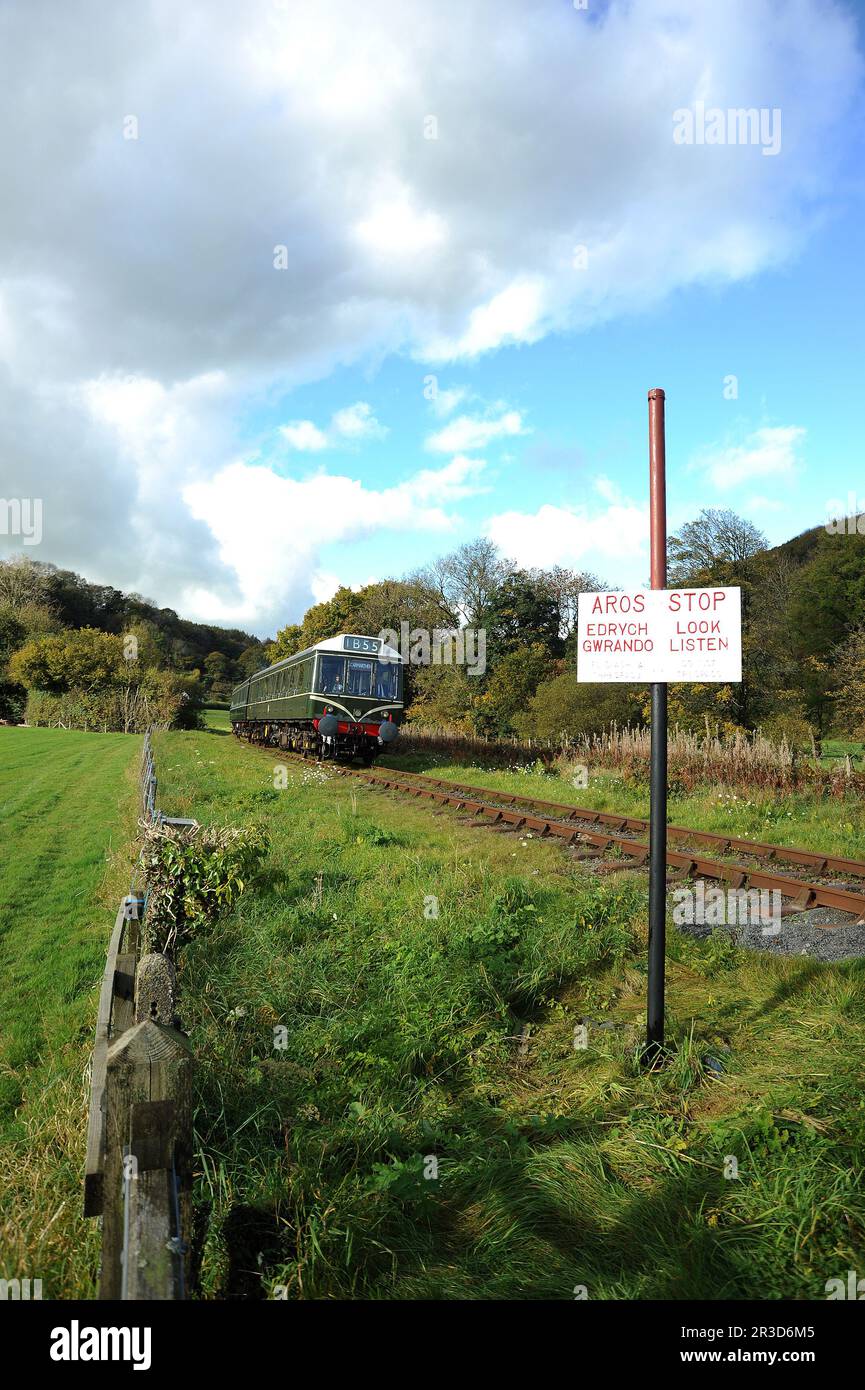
[[277, 226], [791, 336]]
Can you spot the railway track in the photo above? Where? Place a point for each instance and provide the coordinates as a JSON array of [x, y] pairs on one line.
[[724, 844], [581, 827]]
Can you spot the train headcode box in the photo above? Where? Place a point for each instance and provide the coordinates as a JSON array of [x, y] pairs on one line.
[[660, 635]]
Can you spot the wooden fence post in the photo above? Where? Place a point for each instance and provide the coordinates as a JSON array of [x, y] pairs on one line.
[[148, 1159], [155, 989]]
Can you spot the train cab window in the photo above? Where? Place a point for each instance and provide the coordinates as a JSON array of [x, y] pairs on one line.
[[359, 677], [386, 680], [331, 675]]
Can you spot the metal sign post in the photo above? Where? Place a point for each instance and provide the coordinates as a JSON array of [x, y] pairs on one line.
[[659, 636], [658, 811]]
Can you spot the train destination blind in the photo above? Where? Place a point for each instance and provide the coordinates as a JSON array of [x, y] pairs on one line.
[[660, 635], [361, 644]]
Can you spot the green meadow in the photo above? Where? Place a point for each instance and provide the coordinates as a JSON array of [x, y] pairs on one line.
[[416, 1047], [67, 824]]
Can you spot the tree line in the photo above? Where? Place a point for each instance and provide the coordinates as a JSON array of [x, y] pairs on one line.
[[91, 656], [88, 653], [803, 650]]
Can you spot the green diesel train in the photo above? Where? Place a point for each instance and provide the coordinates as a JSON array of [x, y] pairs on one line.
[[342, 698]]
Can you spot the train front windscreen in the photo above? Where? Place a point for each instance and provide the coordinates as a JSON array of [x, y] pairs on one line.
[[358, 676]]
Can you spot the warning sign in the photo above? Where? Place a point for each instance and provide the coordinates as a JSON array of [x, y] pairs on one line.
[[660, 635]]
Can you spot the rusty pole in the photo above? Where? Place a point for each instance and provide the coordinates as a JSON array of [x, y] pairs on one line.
[[657, 489], [658, 812]]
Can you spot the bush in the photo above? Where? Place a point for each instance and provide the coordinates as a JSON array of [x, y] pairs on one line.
[[13, 700], [850, 682], [158, 698], [563, 707], [86, 679], [193, 872], [791, 728]]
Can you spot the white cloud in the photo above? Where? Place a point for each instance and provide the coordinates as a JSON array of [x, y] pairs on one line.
[[445, 401], [303, 435], [606, 488], [764, 504], [576, 537], [514, 315], [306, 134], [397, 229], [771, 452], [357, 422], [354, 423], [270, 530], [470, 432], [458, 479], [323, 585]]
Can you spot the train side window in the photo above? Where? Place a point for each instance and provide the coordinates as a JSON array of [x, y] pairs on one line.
[[387, 680], [359, 677], [331, 675]]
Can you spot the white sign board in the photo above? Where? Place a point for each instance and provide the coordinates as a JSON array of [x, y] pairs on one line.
[[660, 635]]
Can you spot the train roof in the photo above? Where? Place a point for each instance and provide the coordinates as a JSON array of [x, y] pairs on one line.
[[334, 644]]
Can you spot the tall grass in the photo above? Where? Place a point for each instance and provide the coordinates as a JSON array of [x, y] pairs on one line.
[[748, 760]]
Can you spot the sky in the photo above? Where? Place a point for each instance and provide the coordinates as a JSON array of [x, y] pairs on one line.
[[295, 294]]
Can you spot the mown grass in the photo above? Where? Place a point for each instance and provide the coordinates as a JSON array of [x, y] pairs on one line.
[[416, 1041], [217, 719], [834, 748], [67, 822], [798, 818]]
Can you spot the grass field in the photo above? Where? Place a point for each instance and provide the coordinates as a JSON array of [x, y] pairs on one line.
[[432, 1127], [843, 747], [217, 719], [67, 821]]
